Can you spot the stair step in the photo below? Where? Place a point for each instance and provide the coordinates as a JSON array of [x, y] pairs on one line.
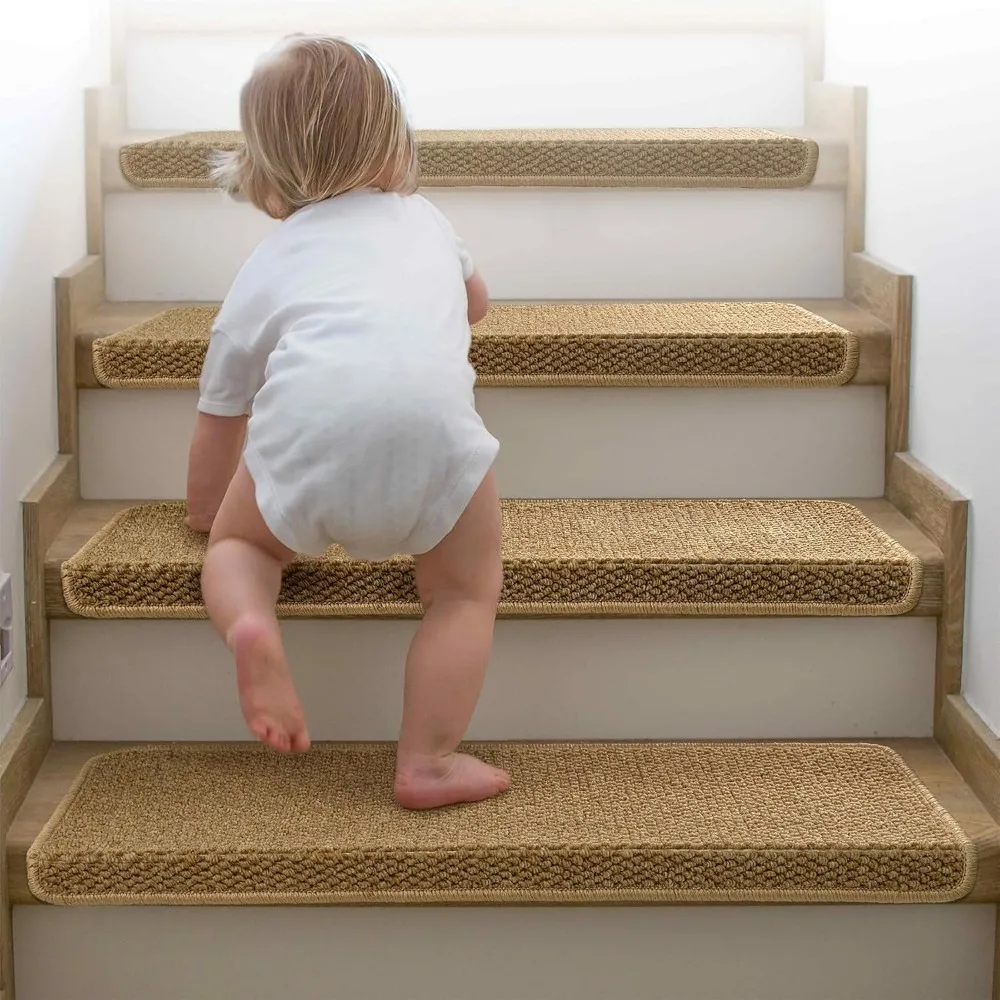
[[567, 441], [529, 243], [635, 558], [666, 158], [150, 346], [720, 952], [740, 427], [583, 822], [588, 678]]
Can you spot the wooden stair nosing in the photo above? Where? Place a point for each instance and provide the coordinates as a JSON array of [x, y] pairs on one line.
[[874, 336], [91, 515], [924, 757]]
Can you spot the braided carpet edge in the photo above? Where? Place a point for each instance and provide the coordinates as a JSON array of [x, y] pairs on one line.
[[798, 180], [524, 181], [487, 897], [517, 610], [852, 356]]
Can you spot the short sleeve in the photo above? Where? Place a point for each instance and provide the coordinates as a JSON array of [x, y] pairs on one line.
[[468, 267], [230, 378]]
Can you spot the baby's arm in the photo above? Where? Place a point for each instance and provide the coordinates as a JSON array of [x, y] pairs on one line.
[[230, 379], [475, 287], [479, 298], [216, 447]]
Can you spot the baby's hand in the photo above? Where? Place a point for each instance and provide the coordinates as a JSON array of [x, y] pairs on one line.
[[203, 525]]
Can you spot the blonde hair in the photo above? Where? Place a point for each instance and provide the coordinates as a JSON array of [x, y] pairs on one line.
[[321, 116]]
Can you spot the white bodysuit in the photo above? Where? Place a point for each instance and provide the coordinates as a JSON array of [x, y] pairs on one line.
[[346, 337]]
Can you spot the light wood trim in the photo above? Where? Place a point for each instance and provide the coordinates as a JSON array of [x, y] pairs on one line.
[[888, 294], [44, 512], [94, 190], [924, 498], [943, 514], [79, 292], [206, 17], [873, 285], [104, 119], [857, 173], [973, 748], [22, 752], [838, 112]]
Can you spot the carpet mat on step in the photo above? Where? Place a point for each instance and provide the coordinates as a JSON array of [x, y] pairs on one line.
[[591, 822], [562, 557], [712, 157], [617, 343]]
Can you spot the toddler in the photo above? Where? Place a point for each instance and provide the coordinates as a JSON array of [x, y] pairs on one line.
[[337, 406]]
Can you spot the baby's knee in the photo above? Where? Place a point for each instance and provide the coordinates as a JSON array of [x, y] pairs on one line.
[[481, 583], [482, 580]]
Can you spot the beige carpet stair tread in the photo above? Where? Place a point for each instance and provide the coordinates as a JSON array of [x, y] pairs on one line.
[[583, 822], [714, 157], [155, 356], [64, 762], [563, 558], [521, 344]]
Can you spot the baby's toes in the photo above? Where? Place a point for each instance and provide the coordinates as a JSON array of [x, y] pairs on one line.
[[300, 741]]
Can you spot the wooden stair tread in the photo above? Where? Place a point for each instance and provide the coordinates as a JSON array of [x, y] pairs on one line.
[[712, 157], [600, 519], [64, 762], [549, 364]]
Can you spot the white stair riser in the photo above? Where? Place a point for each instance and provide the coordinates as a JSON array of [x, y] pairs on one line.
[[483, 953], [581, 442], [528, 244], [581, 80], [600, 679]]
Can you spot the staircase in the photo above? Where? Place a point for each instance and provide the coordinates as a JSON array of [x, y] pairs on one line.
[[729, 618]]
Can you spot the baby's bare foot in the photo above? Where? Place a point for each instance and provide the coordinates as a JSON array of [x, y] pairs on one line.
[[267, 696], [429, 783]]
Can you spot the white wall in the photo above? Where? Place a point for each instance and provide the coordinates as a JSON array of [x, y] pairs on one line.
[[51, 50], [933, 69], [463, 79]]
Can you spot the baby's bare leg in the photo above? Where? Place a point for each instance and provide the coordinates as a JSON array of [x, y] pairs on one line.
[[459, 583], [240, 583]]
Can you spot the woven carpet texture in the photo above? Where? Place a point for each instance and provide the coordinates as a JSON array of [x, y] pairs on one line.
[[562, 557], [617, 343], [587, 822], [739, 157]]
